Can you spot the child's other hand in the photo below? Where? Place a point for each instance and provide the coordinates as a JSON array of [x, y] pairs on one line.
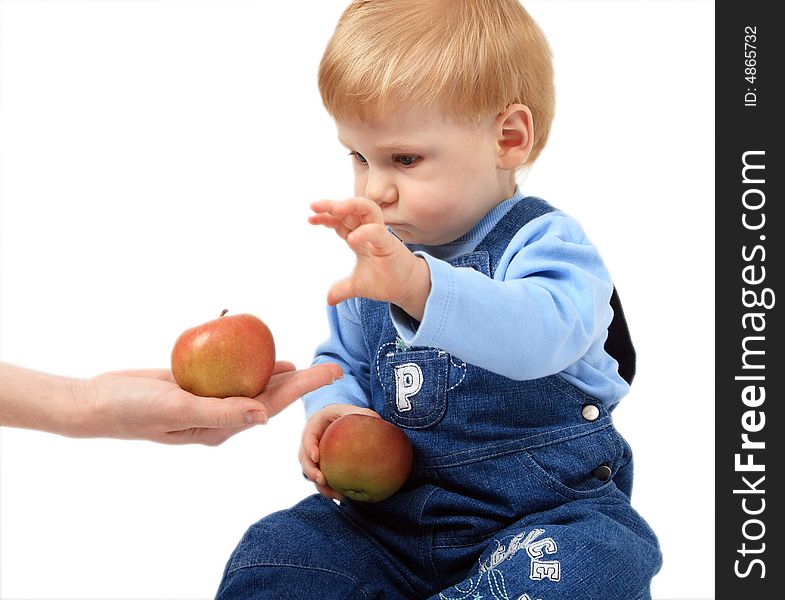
[[309, 447], [386, 270]]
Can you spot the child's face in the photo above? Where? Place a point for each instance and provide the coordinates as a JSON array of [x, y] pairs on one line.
[[433, 178]]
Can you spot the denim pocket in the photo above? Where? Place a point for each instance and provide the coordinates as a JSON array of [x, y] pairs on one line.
[[578, 467], [415, 386]]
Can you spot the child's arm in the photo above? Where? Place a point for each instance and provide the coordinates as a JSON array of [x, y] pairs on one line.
[[547, 304], [345, 347]]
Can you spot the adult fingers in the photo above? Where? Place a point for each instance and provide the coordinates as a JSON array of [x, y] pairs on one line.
[[161, 374], [283, 366], [222, 413], [200, 435], [285, 388]]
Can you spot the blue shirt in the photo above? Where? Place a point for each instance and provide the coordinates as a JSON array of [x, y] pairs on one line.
[[545, 311]]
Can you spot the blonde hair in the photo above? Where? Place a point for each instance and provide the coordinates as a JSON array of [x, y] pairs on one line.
[[471, 58]]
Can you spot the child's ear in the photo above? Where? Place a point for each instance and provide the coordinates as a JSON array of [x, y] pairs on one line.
[[515, 136]]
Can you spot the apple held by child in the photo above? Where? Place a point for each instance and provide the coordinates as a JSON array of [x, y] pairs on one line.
[[364, 457], [232, 355]]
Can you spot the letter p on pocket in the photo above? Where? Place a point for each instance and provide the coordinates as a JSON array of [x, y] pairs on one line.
[[408, 381]]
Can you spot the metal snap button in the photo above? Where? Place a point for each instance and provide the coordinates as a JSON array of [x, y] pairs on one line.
[[602, 472], [590, 412]]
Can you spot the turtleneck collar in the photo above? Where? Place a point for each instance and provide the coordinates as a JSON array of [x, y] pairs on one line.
[[468, 241]]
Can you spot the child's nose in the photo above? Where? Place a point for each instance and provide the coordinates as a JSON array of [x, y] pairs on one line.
[[380, 189]]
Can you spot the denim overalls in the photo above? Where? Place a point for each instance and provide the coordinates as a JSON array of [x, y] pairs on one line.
[[520, 489]]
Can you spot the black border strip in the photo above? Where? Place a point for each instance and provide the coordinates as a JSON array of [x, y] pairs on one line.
[[749, 268]]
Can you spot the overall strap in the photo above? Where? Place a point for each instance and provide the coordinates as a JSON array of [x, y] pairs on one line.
[[619, 343], [497, 240]]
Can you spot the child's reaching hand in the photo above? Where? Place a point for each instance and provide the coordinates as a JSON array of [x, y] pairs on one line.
[[386, 269], [309, 446]]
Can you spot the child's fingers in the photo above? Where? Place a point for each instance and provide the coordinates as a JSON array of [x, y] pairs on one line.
[[328, 492], [374, 238], [333, 207], [343, 225], [312, 473], [329, 211], [367, 210], [331, 222], [340, 291], [310, 467], [364, 209], [310, 445], [325, 219], [321, 206]]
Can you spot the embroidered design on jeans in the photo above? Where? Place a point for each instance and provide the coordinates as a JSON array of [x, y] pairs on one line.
[[462, 368], [408, 382], [401, 345], [540, 569], [378, 361], [493, 577], [544, 569]]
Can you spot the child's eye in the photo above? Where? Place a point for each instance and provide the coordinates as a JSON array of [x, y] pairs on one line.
[[358, 157], [407, 160]]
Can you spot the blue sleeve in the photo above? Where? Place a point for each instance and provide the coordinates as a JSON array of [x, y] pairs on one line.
[[346, 347], [546, 305]]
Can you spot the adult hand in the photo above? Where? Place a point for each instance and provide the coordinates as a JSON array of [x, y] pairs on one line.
[[148, 404]]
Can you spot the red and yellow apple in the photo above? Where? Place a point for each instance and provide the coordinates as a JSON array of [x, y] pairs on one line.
[[232, 355], [364, 457]]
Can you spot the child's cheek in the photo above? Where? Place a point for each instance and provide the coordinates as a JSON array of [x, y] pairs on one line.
[[359, 184], [432, 214]]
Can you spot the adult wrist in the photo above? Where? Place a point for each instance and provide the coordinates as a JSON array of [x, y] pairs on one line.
[[79, 416]]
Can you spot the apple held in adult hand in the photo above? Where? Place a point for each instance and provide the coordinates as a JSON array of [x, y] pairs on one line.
[[232, 355], [364, 457]]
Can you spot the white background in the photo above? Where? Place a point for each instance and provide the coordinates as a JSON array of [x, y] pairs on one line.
[[157, 159]]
